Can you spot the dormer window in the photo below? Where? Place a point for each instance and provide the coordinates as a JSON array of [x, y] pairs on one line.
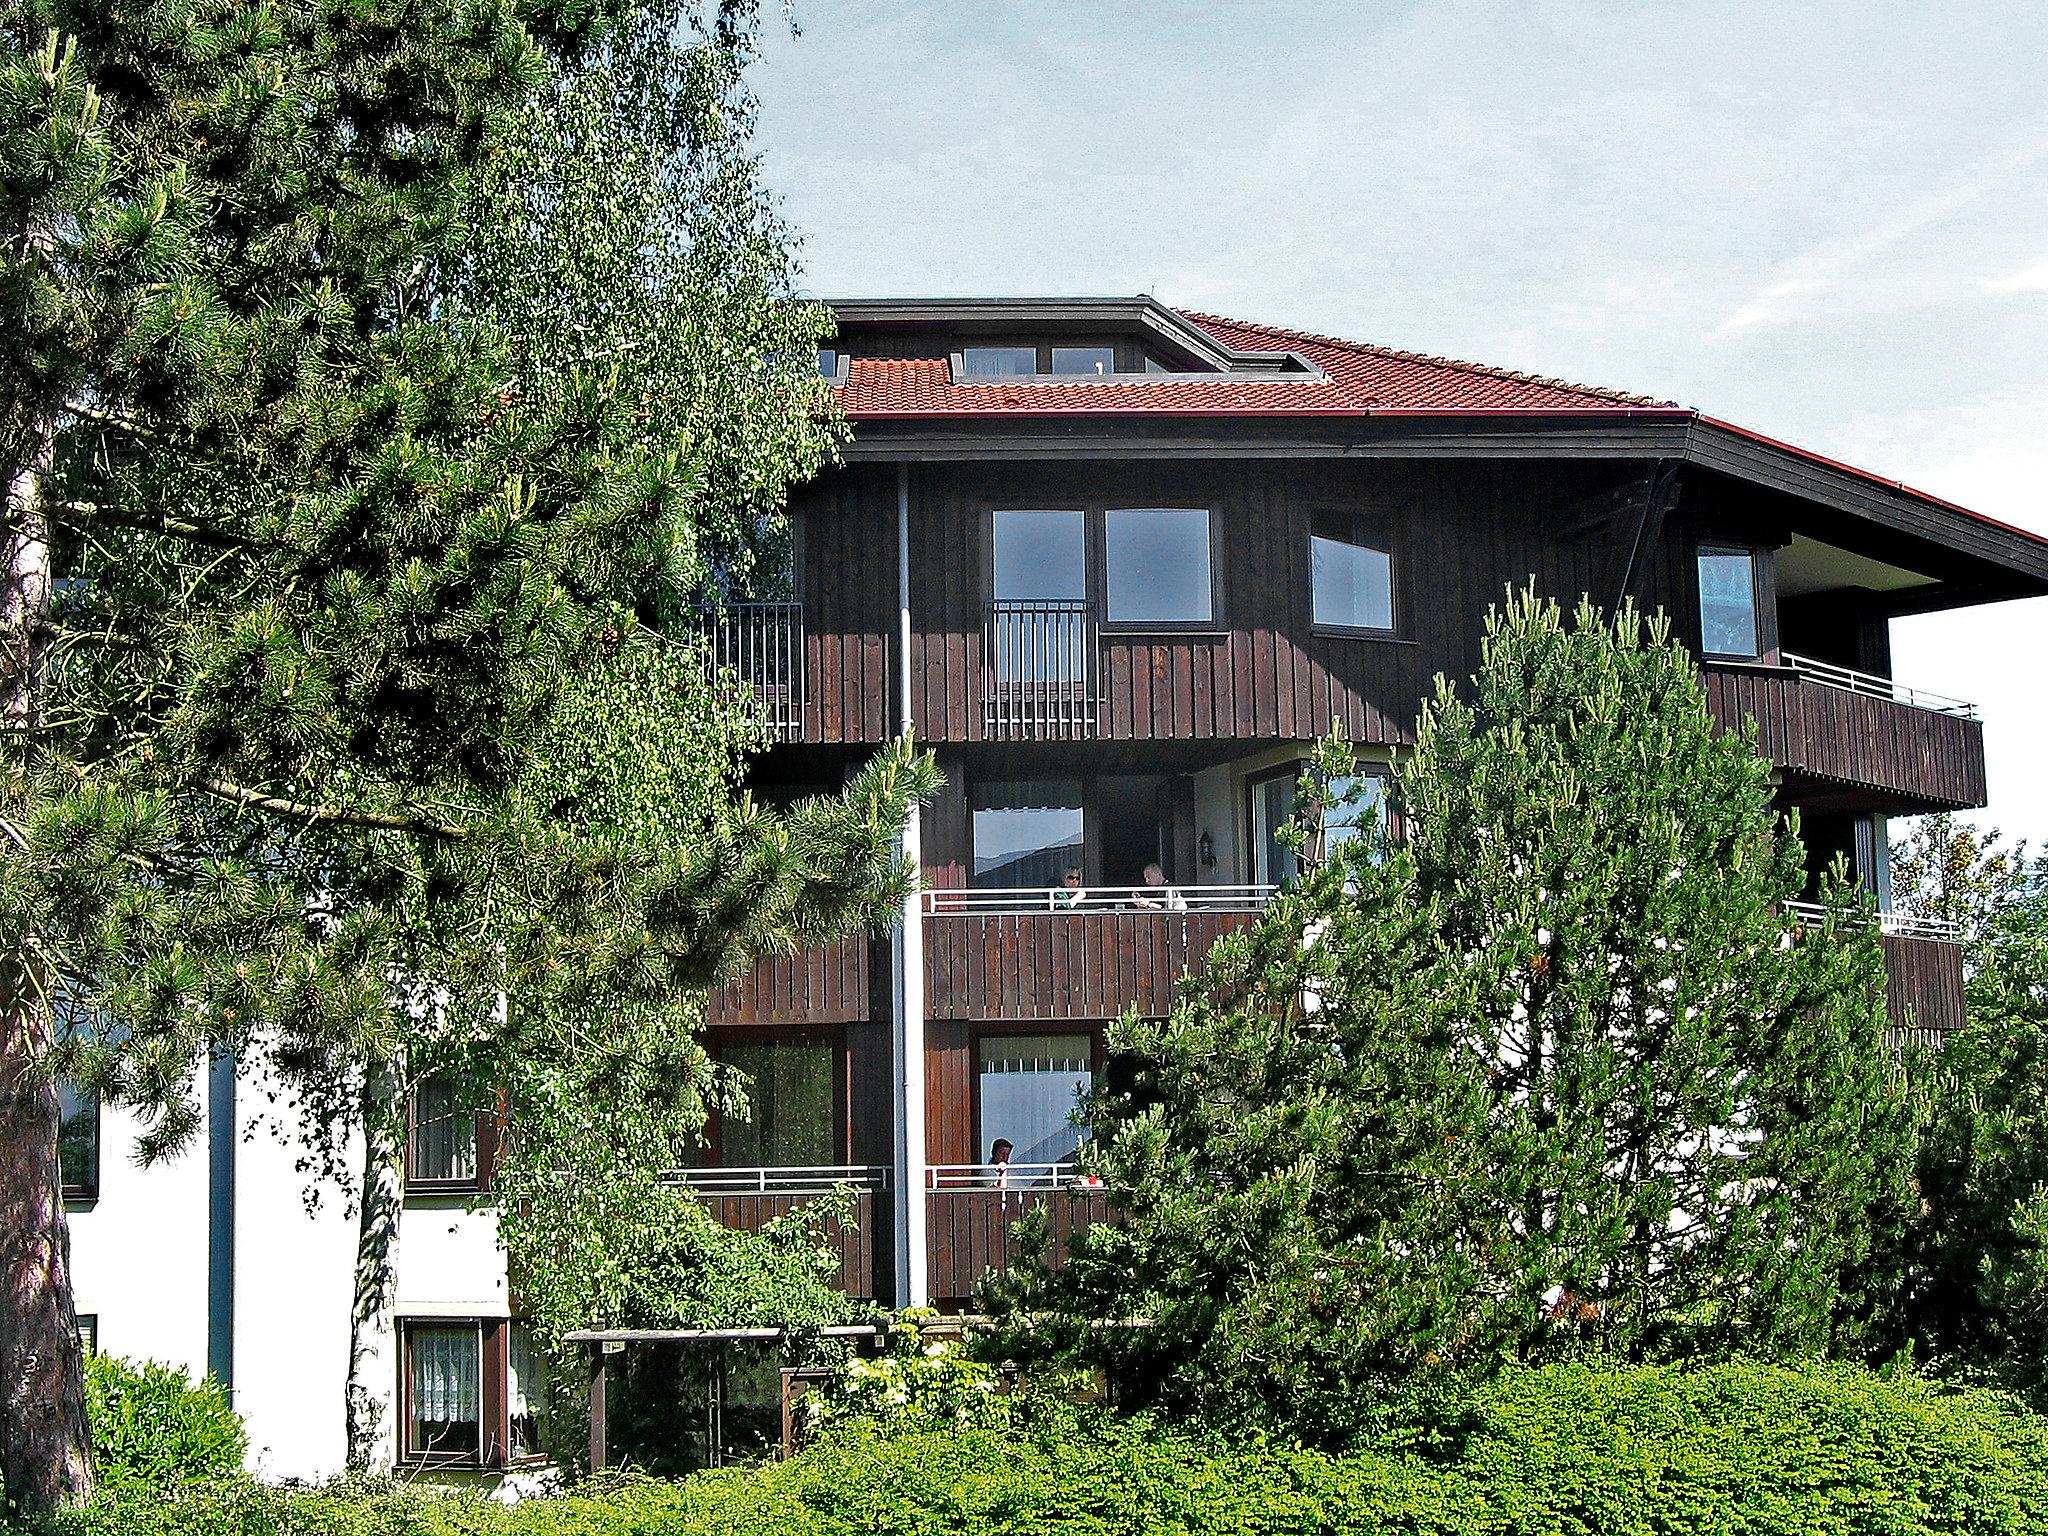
[[999, 362], [828, 363], [1088, 361]]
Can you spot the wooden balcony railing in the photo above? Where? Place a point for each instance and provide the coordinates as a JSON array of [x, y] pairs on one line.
[[970, 1218], [762, 644], [826, 984], [1856, 739], [1033, 954], [1923, 972], [1039, 671], [747, 1199]]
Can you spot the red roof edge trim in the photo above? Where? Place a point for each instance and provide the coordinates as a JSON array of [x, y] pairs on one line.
[[1871, 477], [1213, 412]]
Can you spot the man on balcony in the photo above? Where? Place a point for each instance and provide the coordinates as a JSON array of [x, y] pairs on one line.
[[1168, 897]]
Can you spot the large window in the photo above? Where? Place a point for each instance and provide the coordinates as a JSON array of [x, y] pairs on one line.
[[1351, 805], [445, 1391], [1156, 566], [1096, 361], [1027, 834], [999, 362], [526, 1387], [1351, 576], [792, 1118], [78, 1143], [1030, 1086], [1041, 556], [441, 1144], [1728, 624], [1355, 804]]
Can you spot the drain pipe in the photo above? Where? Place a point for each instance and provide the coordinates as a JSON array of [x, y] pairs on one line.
[[913, 1280]]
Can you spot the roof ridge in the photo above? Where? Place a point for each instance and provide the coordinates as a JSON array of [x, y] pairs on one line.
[[1398, 354]]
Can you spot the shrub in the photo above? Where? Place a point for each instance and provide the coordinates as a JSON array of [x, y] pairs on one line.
[[154, 1428], [1569, 1450]]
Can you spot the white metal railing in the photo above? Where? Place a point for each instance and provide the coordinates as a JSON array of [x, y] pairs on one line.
[[1829, 675], [1098, 898], [1007, 1176], [780, 1181], [1038, 669], [762, 644], [1897, 925]]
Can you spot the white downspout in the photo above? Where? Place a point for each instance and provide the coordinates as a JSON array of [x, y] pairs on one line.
[[913, 1280]]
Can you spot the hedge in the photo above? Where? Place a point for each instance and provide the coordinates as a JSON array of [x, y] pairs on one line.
[[1583, 1450]]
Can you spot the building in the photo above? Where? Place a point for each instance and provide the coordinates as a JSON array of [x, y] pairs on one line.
[[1118, 565]]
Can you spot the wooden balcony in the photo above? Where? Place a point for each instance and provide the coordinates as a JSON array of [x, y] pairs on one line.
[[970, 1223], [1016, 955], [747, 1199], [827, 984], [1852, 740], [762, 645], [1923, 986]]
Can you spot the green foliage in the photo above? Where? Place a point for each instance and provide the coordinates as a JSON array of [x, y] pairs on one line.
[[155, 1429], [1557, 1075], [1580, 1450], [933, 1382], [1973, 1270]]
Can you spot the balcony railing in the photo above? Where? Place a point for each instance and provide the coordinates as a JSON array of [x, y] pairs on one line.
[[1039, 670], [1893, 925], [1098, 898], [1017, 1177], [781, 1181], [1871, 685], [761, 644]]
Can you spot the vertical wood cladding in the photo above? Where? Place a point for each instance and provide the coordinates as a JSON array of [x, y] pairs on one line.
[[859, 1245], [1064, 965], [826, 984], [1923, 987], [969, 1232]]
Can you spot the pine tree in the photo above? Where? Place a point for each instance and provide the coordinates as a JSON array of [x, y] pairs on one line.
[[1556, 1073], [312, 546]]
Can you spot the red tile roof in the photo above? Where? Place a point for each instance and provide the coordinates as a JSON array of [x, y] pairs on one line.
[[1359, 380]]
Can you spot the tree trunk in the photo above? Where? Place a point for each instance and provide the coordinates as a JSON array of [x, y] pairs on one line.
[[372, 1357], [45, 1442]]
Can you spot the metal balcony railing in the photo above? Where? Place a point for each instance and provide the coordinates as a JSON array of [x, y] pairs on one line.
[[1870, 685], [1009, 1178], [1039, 670], [1097, 898], [761, 644], [1897, 925], [781, 1181]]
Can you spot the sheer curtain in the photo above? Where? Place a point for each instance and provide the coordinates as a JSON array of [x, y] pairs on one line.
[[447, 1385], [1030, 1086]]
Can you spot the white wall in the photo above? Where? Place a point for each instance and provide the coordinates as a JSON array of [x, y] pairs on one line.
[[138, 1253]]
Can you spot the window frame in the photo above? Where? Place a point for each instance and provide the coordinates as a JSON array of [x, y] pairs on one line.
[[998, 1029], [1051, 359], [88, 1191], [1366, 530], [488, 1131], [1094, 513], [1089, 860], [1754, 555], [494, 1396], [834, 1035], [1254, 782], [1040, 361]]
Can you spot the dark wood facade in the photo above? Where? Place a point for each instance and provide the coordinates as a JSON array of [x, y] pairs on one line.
[[1063, 965], [1924, 987], [971, 1231]]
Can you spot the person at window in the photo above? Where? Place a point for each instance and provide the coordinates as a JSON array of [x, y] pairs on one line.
[[1070, 894], [999, 1163], [1158, 894]]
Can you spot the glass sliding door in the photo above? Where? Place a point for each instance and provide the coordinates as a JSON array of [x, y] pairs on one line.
[[1027, 834], [1030, 1086], [1040, 633]]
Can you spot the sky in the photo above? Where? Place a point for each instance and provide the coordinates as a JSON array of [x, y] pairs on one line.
[[1825, 222]]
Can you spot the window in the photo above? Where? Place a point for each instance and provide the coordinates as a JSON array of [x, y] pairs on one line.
[[792, 1119], [526, 1388], [1156, 566], [1272, 809], [1030, 1086], [441, 1141], [445, 1391], [1728, 602], [78, 1143], [89, 1333], [1351, 579], [1026, 834], [1084, 360], [828, 363], [999, 362], [1041, 556], [1354, 804]]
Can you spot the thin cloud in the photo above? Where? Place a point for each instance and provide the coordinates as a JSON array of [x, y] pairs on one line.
[[2032, 279], [1823, 269]]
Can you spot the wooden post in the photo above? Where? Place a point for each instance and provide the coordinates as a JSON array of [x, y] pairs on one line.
[[597, 1406]]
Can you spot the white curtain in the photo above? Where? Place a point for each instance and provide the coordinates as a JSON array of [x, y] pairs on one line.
[[447, 1376], [443, 1132], [1030, 1086]]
